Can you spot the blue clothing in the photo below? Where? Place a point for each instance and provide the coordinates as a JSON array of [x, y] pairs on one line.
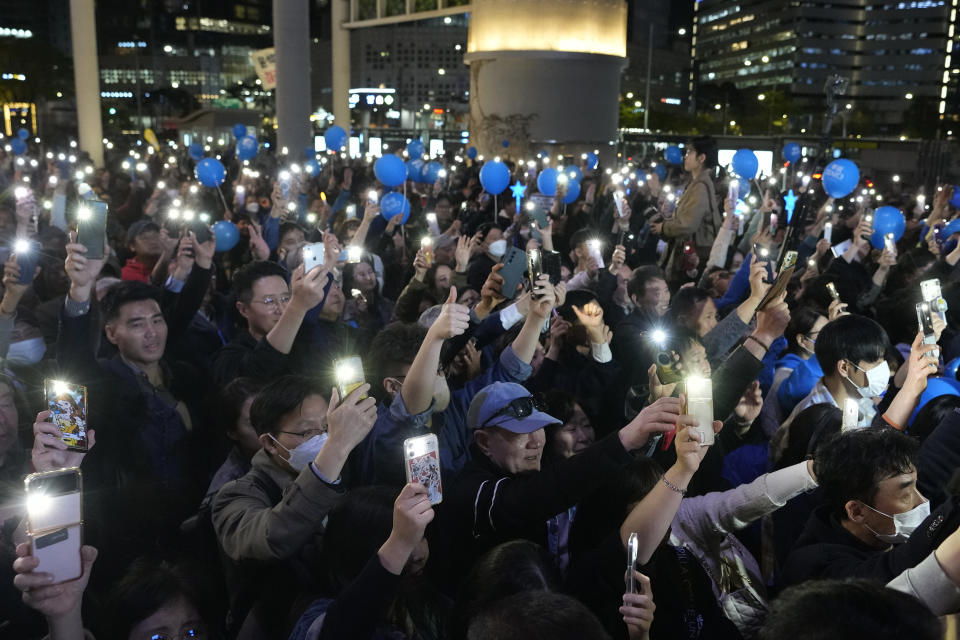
[[769, 364], [269, 228], [381, 452], [738, 289], [799, 385], [343, 199]]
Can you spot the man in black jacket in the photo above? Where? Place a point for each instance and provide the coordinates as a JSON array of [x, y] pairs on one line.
[[503, 494], [650, 296], [874, 522]]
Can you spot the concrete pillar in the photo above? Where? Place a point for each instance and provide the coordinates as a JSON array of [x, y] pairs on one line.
[[340, 62], [86, 78], [291, 39]]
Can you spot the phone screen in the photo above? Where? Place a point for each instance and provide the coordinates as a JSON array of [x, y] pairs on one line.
[[514, 264], [68, 408], [422, 462], [28, 256], [92, 228], [349, 373]]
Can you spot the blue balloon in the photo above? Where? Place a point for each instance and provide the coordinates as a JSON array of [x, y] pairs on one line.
[[745, 163], [195, 150], [432, 172], [673, 154], [744, 188], [543, 153], [840, 178], [247, 148], [573, 173], [239, 131], [547, 182], [935, 387], [19, 146], [390, 170], [415, 170], [312, 167], [309, 152], [226, 235], [22, 133], [494, 176], [415, 149], [210, 172], [505, 143], [950, 369], [335, 137], [393, 203], [472, 153], [573, 192], [592, 160], [791, 152], [955, 198], [887, 220], [661, 172]]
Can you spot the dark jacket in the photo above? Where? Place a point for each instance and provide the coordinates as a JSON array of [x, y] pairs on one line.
[[244, 356], [826, 550], [631, 348]]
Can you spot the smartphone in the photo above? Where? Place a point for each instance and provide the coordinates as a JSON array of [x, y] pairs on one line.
[[314, 255], [925, 320], [828, 231], [762, 253], [426, 243], [851, 414], [92, 228], [241, 192], [930, 290], [372, 196], [432, 224], [667, 371], [773, 223], [841, 248], [618, 201], [55, 522], [889, 243], [514, 264], [733, 191], [832, 290], [421, 456], [699, 404], [551, 264], [349, 372], [351, 212], [534, 268], [68, 408], [594, 247], [632, 551], [28, 256], [201, 231], [536, 212]]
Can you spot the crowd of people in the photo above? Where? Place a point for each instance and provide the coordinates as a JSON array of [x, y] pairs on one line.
[[515, 454]]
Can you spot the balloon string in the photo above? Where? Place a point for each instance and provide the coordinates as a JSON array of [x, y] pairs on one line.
[[223, 199], [496, 210]]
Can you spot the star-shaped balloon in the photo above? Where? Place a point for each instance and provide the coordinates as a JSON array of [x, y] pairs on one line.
[[790, 201], [518, 190]]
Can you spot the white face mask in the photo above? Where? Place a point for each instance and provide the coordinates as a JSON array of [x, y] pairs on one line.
[[26, 352], [904, 523], [877, 380], [497, 248], [253, 207], [303, 454]]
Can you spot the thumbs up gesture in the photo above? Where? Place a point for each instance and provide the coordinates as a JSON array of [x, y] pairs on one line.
[[453, 319]]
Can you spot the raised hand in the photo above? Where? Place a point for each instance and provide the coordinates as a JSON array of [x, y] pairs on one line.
[[454, 319], [659, 417], [590, 316], [307, 289], [82, 271], [49, 451], [638, 608], [690, 451], [52, 600], [350, 420]]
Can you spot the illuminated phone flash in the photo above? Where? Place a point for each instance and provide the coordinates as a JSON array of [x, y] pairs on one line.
[[355, 293], [811, 263], [141, 167], [659, 336], [372, 195], [188, 214], [83, 213], [345, 372], [431, 217], [204, 217], [38, 504], [426, 242], [764, 252], [594, 244], [21, 192], [311, 218], [21, 246], [354, 254], [193, 188], [530, 206], [295, 168], [291, 206], [173, 214], [442, 173], [241, 188], [284, 175]]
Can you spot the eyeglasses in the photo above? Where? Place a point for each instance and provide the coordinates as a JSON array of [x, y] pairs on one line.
[[187, 634], [272, 301], [306, 435], [518, 408]]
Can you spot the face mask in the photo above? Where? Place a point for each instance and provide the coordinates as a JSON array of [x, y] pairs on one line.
[[877, 380], [304, 454], [810, 351], [904, 523], [253, 207], [26, 352], [497, 248]]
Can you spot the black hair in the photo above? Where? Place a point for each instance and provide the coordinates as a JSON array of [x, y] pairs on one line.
[[349, 271], [560, 405], [581, 236], [485, 229], [393, 348], [809, 428], [288, 226], [707, 146], [932, 415], [686, 306], [850, 337], [802, 321], [853, 609], [537, 615], [247, 276], [518, 566], [356, 527], [124, 293], [851, 464], [637, 286], [147, 586], [281, 397], [231, 398]]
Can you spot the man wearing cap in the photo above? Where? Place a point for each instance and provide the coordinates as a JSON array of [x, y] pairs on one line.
[[143, 240], [503, 494]]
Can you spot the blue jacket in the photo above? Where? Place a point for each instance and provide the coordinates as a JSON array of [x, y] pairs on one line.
[[799, 384]]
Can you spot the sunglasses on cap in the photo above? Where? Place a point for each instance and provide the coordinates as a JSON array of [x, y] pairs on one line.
[[519, 408]]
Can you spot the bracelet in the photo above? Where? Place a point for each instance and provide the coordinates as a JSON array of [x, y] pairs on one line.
[[672, 486], [760, 342]]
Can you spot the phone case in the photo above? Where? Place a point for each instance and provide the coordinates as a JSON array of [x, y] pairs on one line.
[[534, 267], [349, 375], [92, 232], [832, 290], [68, 409], [55, 522], [828, 231], [699, 404], [851, 414], [551, 263], [313, 256], [201, 231], [27, 261], [632, 552], [421, 456], [514, 265]]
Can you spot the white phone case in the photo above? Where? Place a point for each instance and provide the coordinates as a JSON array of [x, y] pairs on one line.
[[56, 527], [313, 256]]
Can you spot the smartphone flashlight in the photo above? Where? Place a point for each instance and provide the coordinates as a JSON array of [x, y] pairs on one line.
[[811, 263], [241, 188], [21, 192], [83, 213], [204, 217], [161, 184], [284, 176], [372, 196], [659, 336], [21, 246], [311, 218], [442, 173], [354, 253]]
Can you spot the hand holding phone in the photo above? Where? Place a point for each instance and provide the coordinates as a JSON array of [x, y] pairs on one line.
[[421, 456], [699, 404], [68, 408], [314, 255], [55, 515], [92, 228]]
